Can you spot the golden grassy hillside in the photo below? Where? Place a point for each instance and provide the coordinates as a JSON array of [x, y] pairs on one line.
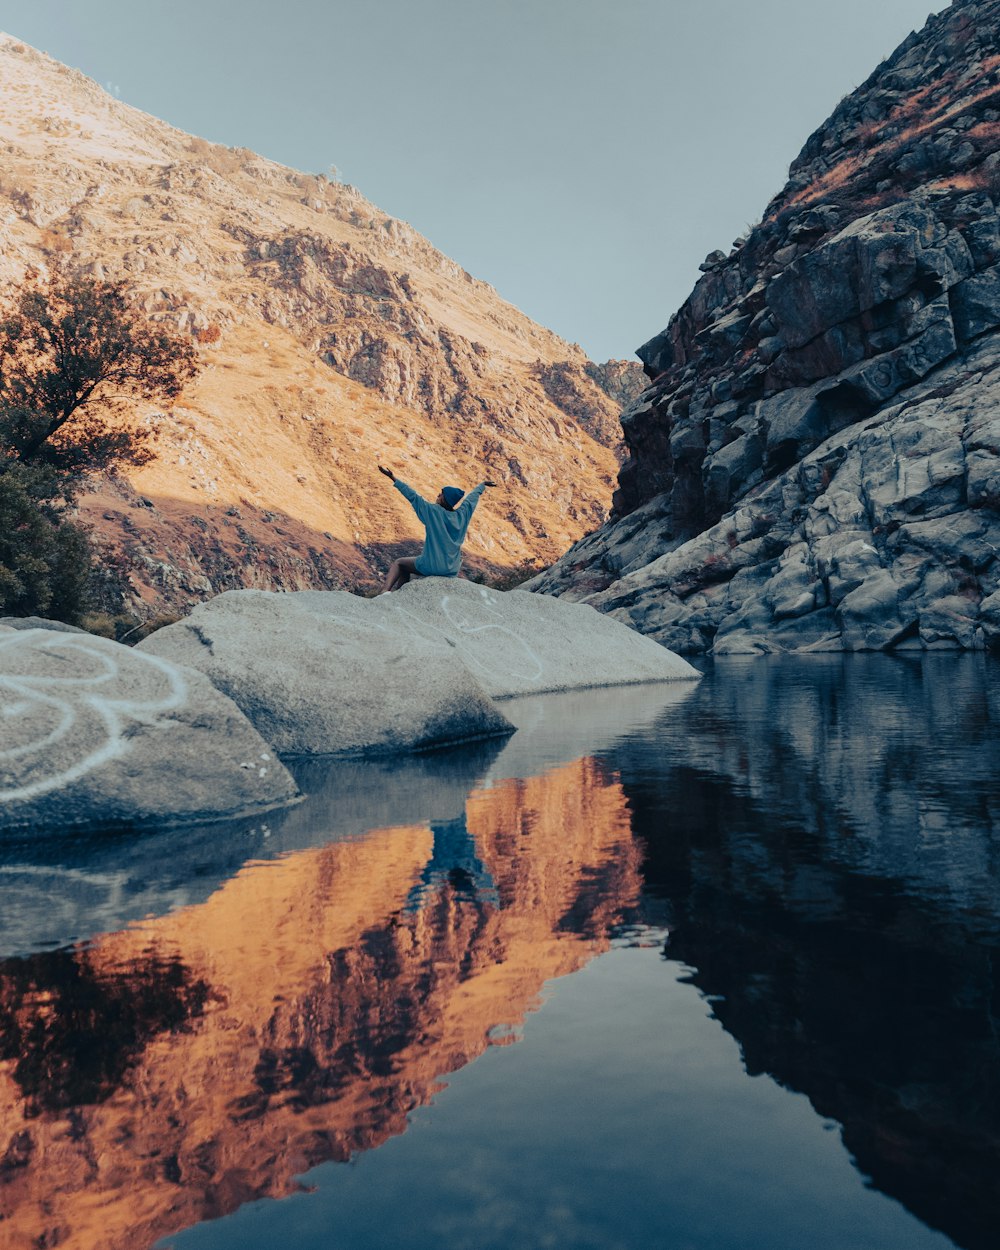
[[332, 337]]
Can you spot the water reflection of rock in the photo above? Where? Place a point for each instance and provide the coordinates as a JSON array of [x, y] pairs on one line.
[[167, 1073], [882, 763], [824, 845], [56, 891], [817, 834]]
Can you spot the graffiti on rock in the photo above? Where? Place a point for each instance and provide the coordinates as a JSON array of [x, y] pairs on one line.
[[68, 703]]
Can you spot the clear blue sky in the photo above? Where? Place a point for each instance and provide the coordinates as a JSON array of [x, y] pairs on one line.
[[582, 155]]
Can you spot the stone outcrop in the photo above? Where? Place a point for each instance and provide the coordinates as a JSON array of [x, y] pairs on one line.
[[515, 643], [96, 735], [332, 673], [332, 336], [328, 674], [816, 460], [186, 727], [38, 622], [53, 893]]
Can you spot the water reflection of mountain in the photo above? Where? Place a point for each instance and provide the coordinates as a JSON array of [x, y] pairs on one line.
[[819, 835], [824, 842], [167, 1073]]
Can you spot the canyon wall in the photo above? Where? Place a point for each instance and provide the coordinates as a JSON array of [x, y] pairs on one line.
[[815, 462]]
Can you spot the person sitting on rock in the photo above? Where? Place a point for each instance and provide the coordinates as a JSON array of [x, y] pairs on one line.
[[446, 521]]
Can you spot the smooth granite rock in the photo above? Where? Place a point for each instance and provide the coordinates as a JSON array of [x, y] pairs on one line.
[[96, 735], [327, 672], [69, 890], [38, 622], [517, 643]]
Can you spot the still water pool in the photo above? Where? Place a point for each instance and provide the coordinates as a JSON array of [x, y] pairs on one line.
[[700, 966]]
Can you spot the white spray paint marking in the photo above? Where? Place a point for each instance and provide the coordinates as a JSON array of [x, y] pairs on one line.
[[89, 694], [468, 628]]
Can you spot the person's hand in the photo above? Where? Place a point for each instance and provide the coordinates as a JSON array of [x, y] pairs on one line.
[[489, 483], [388, 472]]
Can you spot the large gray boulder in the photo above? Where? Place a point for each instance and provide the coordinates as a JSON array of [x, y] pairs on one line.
[[517, 643], [90, 885], [327, 672], [96, 735], [54, 894]]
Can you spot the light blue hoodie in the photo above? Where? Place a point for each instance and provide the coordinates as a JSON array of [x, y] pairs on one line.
[[442, 553]]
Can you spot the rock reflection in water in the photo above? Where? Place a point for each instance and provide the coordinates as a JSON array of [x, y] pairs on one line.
[[818, 835], [57, 891], [822, 838], [167, 1073]]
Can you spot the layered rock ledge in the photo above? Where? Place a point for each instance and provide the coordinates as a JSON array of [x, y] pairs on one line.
[[875, 539]]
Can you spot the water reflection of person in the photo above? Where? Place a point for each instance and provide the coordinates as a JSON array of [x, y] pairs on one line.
[[446, 522], [454, 861]]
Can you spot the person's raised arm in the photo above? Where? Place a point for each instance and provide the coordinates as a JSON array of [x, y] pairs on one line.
[[419, 504], [468, 504]]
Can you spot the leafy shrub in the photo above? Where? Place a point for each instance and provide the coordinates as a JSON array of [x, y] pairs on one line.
[[516, 575], [74, 356], [44, 557]]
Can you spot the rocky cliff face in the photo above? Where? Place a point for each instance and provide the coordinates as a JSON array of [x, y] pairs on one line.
[[816, 459], [332, 336]]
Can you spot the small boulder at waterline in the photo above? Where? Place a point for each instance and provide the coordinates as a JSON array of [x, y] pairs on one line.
[[38, 622], [94, 734], [331, 673]]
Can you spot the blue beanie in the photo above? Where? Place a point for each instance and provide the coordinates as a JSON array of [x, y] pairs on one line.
[[451, 495]]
